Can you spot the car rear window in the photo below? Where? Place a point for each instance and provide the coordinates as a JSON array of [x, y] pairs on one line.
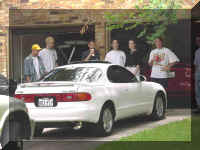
[[79, 74]]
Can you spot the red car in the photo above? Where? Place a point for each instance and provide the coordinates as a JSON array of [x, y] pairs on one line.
[[180, 85]]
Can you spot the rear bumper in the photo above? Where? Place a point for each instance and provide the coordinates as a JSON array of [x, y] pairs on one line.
[[64, 113]]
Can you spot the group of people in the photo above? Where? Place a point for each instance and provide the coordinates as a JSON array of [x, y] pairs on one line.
[[42, 61], [161, 59], [131, 60]]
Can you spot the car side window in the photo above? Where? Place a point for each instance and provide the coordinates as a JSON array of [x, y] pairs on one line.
[[118, 74]]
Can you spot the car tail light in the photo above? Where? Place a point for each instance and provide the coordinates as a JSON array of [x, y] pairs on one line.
[[60, 97], [73, 97], [83, 96], [27, 98]]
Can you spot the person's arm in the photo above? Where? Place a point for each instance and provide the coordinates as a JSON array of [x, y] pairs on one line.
[[124, 56], [28, 79], [137, 69], [151, 59], [169, 66], [196, 60], [139, 62], [86, 56], [27, 71], [173, 60], [56, 58], [107, 57]]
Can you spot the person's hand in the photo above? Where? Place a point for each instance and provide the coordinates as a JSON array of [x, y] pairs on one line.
[[165, 68], [91, 52], [156, 58], [28, 79]]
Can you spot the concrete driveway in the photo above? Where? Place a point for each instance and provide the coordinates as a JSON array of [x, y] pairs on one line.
[[68, 139]]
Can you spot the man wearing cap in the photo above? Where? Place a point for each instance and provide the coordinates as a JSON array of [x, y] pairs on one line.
[[48, 55], [33, 65]]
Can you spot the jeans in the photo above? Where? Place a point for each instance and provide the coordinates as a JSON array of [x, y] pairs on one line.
[[197, 88], [162, 81]]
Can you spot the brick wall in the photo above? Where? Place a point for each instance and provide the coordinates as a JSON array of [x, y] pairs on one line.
[[48, 18], [3, 38]]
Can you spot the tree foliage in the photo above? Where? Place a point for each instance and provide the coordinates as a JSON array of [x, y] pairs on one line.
[[153, 16]]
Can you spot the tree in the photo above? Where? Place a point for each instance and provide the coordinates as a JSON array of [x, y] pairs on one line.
[[153, 15]]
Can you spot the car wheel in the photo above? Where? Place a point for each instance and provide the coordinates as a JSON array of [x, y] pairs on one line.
[[11, 135], [159, 108], [38, 131], [106, 121]]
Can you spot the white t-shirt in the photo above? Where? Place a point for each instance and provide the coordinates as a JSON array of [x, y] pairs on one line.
[[167, 56], [116, 57], [49, 58], [37, 67]]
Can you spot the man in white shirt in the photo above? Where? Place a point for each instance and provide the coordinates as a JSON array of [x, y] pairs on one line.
[[197, 73], [161, 59], [116, 56], [49, 55]]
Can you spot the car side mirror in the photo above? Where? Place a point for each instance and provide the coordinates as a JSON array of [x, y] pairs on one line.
[[142, 78]]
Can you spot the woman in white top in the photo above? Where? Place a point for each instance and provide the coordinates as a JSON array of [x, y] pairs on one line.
[[116, 56]]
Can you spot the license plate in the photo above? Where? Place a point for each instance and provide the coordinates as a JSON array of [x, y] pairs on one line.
[[45, 102]]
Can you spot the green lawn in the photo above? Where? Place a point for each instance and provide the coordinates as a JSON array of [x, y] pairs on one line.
[[178, 133]]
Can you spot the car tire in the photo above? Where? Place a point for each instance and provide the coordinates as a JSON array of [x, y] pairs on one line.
[[159, 108], [106, 121], [38, 131], [11, 135]]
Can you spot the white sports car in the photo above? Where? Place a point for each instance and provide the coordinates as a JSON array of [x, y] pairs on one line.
[[97, 93]]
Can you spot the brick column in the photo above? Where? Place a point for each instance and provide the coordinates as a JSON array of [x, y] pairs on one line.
[[100, 37], [3, 52]]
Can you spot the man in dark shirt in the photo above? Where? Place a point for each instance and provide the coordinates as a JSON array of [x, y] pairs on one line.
[[92, 53], [133, 59]]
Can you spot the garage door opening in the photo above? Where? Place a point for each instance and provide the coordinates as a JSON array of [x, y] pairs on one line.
[[66, 38]]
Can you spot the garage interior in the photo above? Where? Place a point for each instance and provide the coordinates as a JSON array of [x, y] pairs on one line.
[[66, 38]]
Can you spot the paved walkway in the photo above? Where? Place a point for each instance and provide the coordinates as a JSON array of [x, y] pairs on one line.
[[65, 139]]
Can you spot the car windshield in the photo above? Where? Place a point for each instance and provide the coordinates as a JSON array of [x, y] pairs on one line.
[[79, 74]]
